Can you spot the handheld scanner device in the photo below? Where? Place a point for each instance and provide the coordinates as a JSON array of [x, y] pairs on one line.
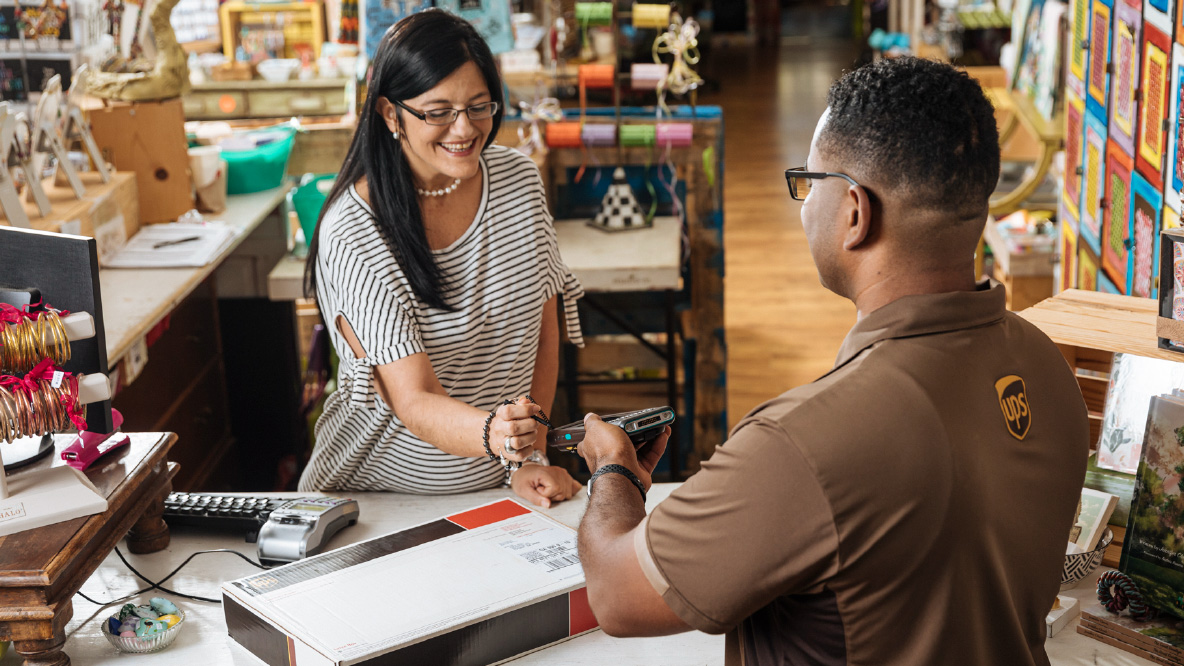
[[642, 426]]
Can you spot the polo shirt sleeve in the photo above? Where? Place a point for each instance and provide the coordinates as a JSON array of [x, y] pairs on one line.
[[752, 525]]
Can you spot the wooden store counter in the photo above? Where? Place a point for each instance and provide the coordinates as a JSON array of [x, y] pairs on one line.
[[204, 638]]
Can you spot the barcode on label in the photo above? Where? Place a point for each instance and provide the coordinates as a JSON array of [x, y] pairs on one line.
[[554, 557]]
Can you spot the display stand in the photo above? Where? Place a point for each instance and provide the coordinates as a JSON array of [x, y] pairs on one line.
[[15, 157], [1089, 328], [1049, 133]]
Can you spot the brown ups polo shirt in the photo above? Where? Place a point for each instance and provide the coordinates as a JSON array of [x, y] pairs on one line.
[[910, 507]]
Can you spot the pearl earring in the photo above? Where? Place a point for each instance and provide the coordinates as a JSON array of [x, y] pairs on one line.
[[396, 135]]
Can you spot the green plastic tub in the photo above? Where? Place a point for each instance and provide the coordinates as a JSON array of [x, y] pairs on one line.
[[261, 168], [309, 198]]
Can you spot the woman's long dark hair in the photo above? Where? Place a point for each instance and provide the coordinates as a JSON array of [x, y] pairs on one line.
[[414, 56]]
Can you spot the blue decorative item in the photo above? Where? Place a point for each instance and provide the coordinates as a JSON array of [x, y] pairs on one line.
[[491, 18], [163, 606], [113, 624], [150, 628]]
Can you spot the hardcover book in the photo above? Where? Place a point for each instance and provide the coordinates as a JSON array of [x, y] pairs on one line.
[[1093, 514], [1153, 548], [1134, 380], [1160, 640], [1116, 215], [1112, 482]]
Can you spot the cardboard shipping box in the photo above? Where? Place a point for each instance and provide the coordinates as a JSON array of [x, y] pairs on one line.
[[478, 587], [149, 139]]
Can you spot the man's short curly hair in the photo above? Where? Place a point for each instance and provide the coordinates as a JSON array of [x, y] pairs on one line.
[[919, 127]]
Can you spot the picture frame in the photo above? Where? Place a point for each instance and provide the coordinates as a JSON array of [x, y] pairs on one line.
[[1146, 209], [1151, 144], [1093, 173], [1174, 167], [1078, 55], [1097, 87], [1074, 135], [1160, 13], [1087, 268], [1068, 244], [1124, 77], [1116, 212]]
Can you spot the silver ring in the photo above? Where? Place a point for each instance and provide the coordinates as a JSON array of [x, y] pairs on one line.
[[506, 445]]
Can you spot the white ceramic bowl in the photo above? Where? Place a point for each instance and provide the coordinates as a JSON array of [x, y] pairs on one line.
[[149, 644], [278, 70]]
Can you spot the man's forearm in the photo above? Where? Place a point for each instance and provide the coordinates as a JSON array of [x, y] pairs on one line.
[[614, 509]]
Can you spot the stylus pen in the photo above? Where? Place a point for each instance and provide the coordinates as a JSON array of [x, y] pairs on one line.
[[178, 241]]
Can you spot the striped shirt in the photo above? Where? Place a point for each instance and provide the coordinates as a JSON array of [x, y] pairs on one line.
[[483, 353]]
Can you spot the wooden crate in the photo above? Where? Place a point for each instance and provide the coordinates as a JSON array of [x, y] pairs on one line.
[[1089, 328], [90, 209]]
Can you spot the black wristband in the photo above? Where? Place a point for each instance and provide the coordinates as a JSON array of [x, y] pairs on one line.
[[623, 471]]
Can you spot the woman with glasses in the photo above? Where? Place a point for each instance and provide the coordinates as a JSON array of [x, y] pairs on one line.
[[436, 269]]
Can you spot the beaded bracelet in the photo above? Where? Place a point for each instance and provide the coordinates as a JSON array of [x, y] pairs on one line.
[[510, 465]]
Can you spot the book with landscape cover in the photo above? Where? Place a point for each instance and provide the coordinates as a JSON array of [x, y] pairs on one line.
[[1153, 549], [1115, 483], [1133, 381], [1162, 637]]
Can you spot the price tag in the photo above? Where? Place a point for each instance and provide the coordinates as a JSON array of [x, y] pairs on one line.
[[58, 376]]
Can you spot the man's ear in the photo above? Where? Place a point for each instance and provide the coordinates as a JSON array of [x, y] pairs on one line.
[[387, 110], [859, 218]]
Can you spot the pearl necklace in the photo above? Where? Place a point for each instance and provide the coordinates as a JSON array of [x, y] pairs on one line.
[[441, 192]]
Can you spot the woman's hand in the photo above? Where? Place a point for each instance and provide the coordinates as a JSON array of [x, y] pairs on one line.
[[513, 432], [543, 485]]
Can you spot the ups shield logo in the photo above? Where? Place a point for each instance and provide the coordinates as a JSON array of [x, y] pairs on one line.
[[1013, 400]]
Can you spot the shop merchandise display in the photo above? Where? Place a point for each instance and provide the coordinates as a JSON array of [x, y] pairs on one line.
[[1121, 134]]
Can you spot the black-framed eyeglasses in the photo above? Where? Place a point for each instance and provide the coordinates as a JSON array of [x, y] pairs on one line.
[[448, 116], [800, 180]]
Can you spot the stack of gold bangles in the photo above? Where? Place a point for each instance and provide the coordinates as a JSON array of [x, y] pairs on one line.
[[24, 344], [31, 413]]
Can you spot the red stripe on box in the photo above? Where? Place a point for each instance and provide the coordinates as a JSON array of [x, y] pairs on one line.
[[487, 515], [579, 612]]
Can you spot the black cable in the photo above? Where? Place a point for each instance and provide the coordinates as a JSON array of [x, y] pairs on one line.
[[159, 585]]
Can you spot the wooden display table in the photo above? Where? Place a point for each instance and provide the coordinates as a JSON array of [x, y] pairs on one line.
[[1090, 327], [42, 569]]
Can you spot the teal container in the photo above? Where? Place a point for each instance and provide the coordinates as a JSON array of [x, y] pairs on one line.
[[309, 198], [260, 168]]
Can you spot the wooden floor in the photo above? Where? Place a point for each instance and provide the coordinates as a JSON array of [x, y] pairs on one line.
[[783, 327]]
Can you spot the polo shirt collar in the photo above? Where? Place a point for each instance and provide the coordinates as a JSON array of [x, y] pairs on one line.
[[926, 314]]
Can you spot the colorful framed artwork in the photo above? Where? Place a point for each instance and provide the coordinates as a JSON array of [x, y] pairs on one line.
[[1092, 187], [1174, 176], [1146, 204], [1097, 89], [1116, 214], [1068, 257], [1179, 27], [1124, 78], [1156, 87], [1078, 54], [1171, 219], [1105, 285], [1074, 134], [1087, 268], [1160, 13]]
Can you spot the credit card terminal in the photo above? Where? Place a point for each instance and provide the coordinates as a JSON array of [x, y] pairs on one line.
[[642, 426], [301, 527]]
